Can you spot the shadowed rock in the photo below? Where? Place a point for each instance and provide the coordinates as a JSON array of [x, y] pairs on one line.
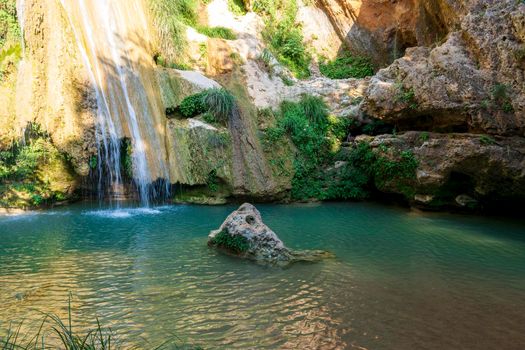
[[244, 234]]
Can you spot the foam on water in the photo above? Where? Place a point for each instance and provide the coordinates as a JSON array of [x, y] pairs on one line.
[[123, 212]]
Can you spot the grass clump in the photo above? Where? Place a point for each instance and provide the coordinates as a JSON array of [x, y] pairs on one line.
[[217, 32], [171, 18], [237, 7], [284, 37], [234, 243], [347, 66], [217, 104], [486, 140], [55, 333]]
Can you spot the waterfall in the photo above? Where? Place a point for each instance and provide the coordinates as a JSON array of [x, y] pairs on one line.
[[113, 38]]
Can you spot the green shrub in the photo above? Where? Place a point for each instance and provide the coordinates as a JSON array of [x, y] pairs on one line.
[[284, 37], [20, 170], [314, 108], [486, 140], [126, 157], [424, 136], [193, 105], [217, 32], [237, 7], [217, 103], [347, 66], [500, 96], [406, 96], [234, 243], [220, 103], [212, 181], [9, 28], [170, 18], [10, 55]]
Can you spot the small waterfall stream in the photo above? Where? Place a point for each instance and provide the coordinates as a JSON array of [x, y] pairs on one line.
[[113, 38]]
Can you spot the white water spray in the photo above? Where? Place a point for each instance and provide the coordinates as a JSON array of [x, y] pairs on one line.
[[111, 36]]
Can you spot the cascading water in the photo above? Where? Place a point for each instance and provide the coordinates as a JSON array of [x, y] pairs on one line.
[[113, 37]]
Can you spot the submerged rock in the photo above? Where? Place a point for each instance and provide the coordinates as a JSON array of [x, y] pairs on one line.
[[244, 234]]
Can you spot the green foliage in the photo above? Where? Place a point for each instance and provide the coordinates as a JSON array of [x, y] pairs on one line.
[[347, 66], [217, 103], [212, 181], [500, 97], [237, 7], [9, 56], [9, 28], [54, 327], [284, 37], [93, 162], [486, 140], [220, 103], [217, 32], [424, 136], [396, 168], [126, 157], [20, 184], [234, 243], [170, 19], [193, 105], [406, 96]]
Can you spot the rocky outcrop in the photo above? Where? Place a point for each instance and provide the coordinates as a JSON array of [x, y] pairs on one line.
[[244, 234], [457, 170], [473, 82], [53, 87], [383, 29]]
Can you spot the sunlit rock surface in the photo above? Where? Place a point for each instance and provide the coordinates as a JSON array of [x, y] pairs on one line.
[[244, 234]]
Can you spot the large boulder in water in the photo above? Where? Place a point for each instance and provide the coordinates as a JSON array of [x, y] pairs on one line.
[[244, 234]]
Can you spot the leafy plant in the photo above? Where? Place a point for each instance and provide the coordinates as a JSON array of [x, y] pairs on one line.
[[9, 28], [406, 96], [235, 243], [126, 157], [237, 7], [500, 96], [486, 140], [424, 136], [284, 37], [347, 66], [212, 181], [217, 32], [170, 19], [193, 105], [219, 102]]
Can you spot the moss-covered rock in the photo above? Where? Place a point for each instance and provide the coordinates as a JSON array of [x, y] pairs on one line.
[[35, 175], [200, 154]]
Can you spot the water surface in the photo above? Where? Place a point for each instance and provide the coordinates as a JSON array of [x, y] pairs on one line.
[[401, 280]]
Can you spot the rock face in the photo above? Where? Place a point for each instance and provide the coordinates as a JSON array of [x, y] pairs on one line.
[[457, 170], [383, 29], [473, 82], [244, 234]]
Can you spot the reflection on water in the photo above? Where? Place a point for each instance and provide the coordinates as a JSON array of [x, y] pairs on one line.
[[400, 281]]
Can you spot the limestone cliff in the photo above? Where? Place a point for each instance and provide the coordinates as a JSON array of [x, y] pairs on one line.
[[452, 72]]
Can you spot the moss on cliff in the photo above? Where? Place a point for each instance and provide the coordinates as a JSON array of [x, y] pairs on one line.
[[33, 173]]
